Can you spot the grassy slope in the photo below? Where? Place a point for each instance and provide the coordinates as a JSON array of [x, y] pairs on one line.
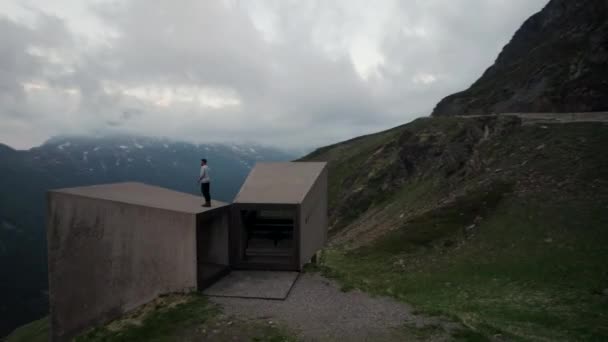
[[170, 318], [37, 331], [514, 243]]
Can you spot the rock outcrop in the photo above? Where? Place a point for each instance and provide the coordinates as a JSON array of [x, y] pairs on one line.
[[556, 62]]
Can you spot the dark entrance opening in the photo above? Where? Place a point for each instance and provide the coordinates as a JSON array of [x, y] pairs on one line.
[[269, 235], [265, 237]]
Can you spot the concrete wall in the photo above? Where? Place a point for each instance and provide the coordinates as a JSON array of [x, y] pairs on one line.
[[313, 219], [213, 260], [106, 258], [213, 231], [236, 236]]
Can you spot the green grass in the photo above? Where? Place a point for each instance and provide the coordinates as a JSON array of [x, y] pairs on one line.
[[191, 319], [195, 319], [36, 331], [535, 264], [349, 156], [370, 171], [160, 325], [530, 270]]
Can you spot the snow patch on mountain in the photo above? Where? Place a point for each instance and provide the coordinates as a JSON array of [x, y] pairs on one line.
[[64, 145]]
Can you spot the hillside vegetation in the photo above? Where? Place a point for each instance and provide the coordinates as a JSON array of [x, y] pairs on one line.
[[489, 220], [169, 318]]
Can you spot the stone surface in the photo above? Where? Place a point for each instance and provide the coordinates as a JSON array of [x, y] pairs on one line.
[[317, 310], [254, 284]]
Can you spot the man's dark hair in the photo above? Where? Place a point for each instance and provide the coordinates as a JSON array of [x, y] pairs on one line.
[[204, 160]]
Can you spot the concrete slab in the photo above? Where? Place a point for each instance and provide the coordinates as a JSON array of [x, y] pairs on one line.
[[254, 284], [144, 195], [279, 182]]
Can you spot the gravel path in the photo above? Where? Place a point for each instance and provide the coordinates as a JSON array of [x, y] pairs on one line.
[[317, 310]]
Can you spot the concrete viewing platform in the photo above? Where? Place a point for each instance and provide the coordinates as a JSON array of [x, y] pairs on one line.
[[254, 284], [144, 195], [114, 247]]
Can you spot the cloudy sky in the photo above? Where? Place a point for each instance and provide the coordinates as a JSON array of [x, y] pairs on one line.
[[283, 73]]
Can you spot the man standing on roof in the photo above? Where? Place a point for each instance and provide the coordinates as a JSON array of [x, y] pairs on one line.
[[204, 180]]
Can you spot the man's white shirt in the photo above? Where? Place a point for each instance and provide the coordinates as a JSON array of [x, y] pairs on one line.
[[204, 175]]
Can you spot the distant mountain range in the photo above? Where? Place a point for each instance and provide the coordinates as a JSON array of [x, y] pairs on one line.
[[73, 161]]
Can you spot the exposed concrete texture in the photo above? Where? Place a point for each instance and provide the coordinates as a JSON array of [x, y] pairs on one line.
[[280, 183], [212, 246], [144, 195], [213, 238], [254, 284], [111, 254], [313, 219]]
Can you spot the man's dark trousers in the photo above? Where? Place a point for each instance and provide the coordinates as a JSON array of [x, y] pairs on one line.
[[205, 189]]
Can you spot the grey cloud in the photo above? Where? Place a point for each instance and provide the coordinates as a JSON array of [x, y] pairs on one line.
[[296, 88]]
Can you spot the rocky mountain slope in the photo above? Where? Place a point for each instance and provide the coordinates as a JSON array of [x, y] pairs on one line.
[[72, 161], [556, 62], [493, 220]]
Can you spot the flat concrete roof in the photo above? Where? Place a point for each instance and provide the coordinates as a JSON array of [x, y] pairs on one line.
[[285, 182], [144, 195]]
